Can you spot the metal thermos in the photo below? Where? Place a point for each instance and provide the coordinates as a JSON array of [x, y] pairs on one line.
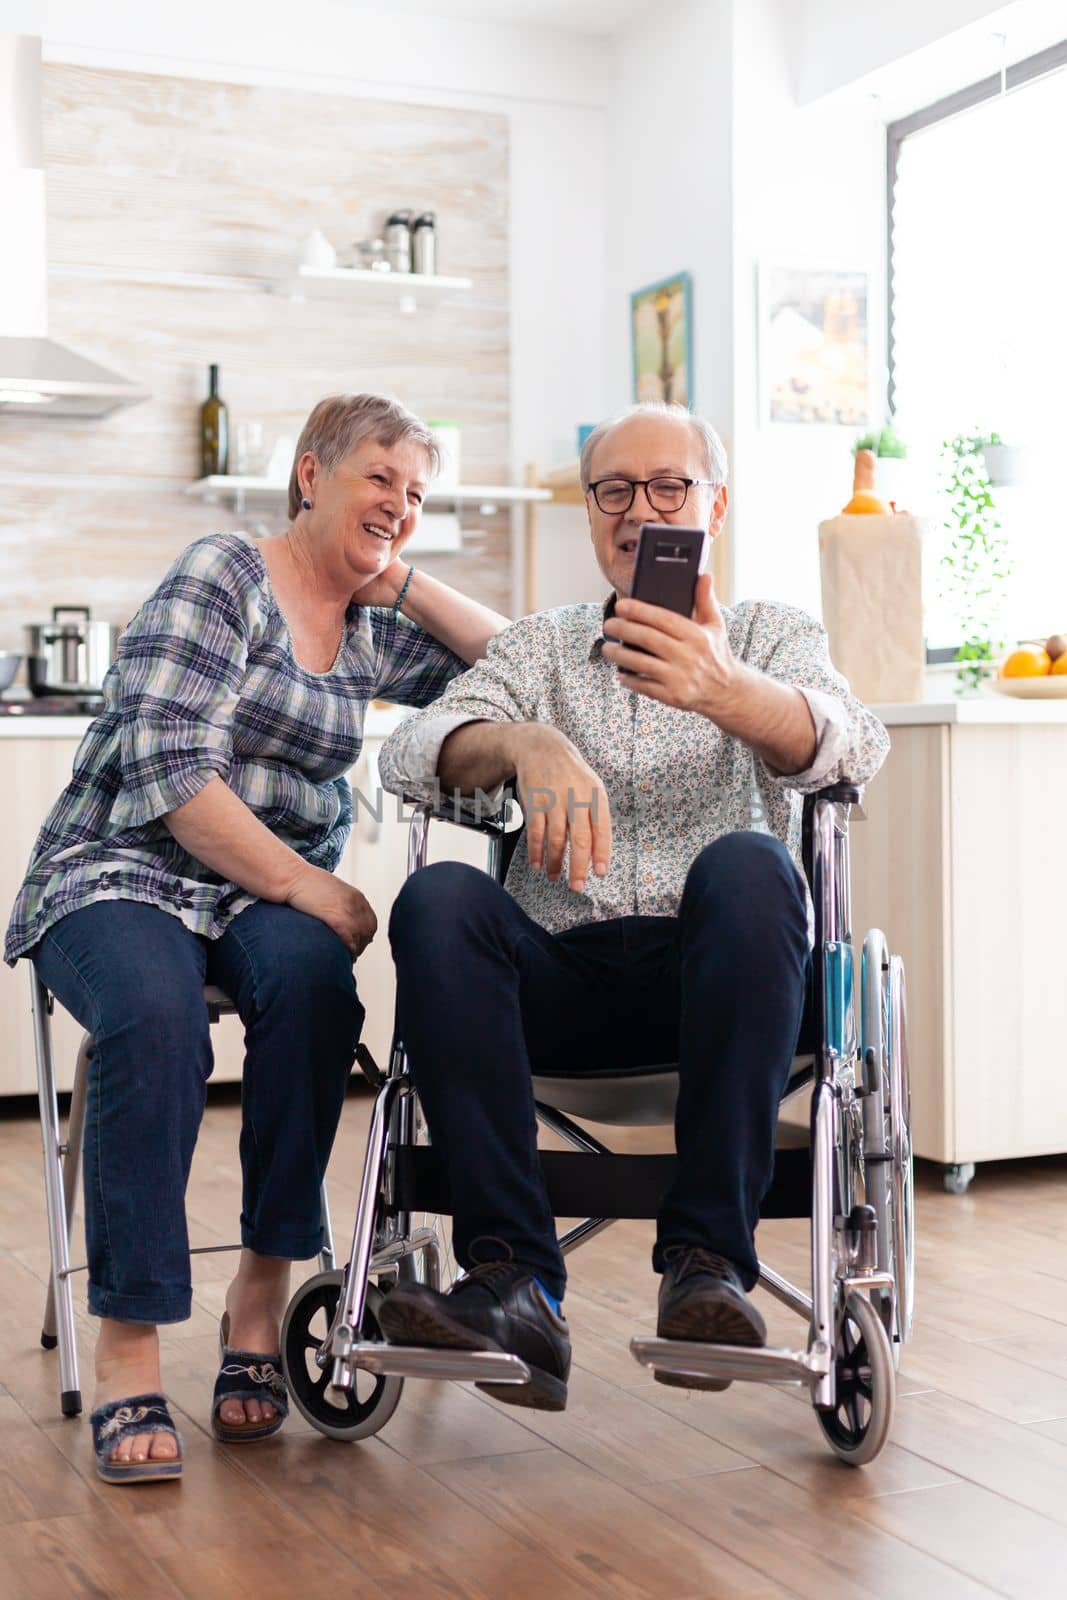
[[398, 241], [424, 244], [70, 654]]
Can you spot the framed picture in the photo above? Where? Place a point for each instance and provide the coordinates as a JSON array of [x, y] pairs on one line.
[[814, 345], [661, 339]]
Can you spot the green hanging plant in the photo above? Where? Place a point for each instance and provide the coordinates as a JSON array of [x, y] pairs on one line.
[[976, 565]]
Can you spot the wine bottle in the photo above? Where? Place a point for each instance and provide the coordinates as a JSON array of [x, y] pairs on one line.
[[214, 430]]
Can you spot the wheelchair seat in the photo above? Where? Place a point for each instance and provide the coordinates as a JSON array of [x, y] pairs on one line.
[[631, 1097]]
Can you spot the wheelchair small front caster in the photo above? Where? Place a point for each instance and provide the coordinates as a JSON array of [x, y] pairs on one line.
[[347, 1414], [957, 1179]]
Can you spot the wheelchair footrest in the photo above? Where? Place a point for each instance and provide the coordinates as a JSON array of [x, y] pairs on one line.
[[753, 1364], [430, 1361]]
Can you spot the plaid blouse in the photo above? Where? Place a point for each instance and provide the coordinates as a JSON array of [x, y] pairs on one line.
[[205, 682], [674, 780]]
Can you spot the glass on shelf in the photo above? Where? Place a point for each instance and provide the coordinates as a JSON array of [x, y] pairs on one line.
[[250, 458]]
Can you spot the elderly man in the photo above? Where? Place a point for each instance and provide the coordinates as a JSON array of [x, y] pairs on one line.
[[653, 911]]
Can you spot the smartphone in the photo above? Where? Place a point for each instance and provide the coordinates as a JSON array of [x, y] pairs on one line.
[[667, 566]]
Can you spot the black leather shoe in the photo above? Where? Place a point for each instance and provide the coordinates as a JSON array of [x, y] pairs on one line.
[[701, 1299], [497, 1306]]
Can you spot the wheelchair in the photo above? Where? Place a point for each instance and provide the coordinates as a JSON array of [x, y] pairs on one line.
[[853, 1177]]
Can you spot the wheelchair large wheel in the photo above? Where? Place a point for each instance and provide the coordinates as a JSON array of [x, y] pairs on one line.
[[858, 1426], [347, 1414], [902, 1164]]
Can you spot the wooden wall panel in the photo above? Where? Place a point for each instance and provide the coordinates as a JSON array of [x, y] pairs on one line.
[[166, 176]]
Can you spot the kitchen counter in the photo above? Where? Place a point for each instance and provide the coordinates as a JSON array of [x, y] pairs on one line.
[[986, 709], [380, 722]]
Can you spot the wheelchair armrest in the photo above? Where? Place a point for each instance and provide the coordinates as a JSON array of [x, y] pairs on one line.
[[453, 812], [845, 793]]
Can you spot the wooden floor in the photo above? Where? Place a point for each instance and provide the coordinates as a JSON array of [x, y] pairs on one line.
[[637, 1491]]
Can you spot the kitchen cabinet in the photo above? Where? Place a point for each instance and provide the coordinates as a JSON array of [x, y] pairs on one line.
[[962, 860], [36, 756]]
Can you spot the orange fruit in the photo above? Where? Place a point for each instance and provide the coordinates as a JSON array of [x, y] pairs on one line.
[[1059, 666], [1029, 661], [864, 503]]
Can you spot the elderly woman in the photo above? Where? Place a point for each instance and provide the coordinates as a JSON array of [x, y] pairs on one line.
[[196, 843]]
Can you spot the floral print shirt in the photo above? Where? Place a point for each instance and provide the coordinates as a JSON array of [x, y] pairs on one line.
[[674, 780], [206, 682]]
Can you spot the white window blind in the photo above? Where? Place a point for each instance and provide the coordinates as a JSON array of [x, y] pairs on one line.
[[980, 329]]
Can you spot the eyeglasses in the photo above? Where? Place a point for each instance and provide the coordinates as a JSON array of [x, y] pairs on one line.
[[616, 495]]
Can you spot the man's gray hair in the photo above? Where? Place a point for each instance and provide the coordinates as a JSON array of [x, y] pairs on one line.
[[714, 449], [343, 421]]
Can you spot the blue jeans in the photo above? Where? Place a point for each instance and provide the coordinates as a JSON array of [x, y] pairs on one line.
[[134, 977], [485, 997]]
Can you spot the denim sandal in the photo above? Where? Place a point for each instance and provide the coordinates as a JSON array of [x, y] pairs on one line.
[[120, 1419], [247, 1375]]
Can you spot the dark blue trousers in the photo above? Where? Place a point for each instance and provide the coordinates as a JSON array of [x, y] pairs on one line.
[[486, 997], [134, 977]]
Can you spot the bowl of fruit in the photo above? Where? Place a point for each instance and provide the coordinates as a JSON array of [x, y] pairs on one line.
[[1035, 671]]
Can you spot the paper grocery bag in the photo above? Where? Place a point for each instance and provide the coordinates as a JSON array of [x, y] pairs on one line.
[[872, 604]]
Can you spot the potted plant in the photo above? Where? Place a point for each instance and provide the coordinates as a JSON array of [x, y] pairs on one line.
[[891, 477], [976, 565], [1003, 462]]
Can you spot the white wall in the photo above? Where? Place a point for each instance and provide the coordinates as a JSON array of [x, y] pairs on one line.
[[840, 40], [669, 169], [553, 91], [808, 190]]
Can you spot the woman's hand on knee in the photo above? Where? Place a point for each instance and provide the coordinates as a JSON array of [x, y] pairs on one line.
[[343, 908]]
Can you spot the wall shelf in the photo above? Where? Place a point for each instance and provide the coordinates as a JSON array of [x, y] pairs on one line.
[[232, 490], [406, 290]]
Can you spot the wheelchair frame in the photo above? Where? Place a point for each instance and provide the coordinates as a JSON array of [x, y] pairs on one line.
[[862, 1251]]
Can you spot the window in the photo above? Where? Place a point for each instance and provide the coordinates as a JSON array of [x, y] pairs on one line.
[[978, 317]]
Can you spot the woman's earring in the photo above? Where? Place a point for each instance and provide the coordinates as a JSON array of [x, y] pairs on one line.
[[306, 503]]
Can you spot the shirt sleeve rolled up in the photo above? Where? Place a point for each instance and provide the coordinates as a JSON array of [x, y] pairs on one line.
[[495, 689], [850, 742]]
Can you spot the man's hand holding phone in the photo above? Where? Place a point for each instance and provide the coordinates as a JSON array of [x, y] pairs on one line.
[[563, 802], [682, 661]]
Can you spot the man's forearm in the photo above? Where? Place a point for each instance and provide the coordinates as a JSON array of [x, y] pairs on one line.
[[773, 719], [479, 755], [218, 829]]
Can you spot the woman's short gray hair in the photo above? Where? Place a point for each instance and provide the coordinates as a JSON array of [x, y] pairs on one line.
[[343, 421], [714, 449]]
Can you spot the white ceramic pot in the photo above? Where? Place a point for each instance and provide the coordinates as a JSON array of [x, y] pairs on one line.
[[1004, 464]]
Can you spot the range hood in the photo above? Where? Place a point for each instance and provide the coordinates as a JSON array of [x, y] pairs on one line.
[[37, 376]]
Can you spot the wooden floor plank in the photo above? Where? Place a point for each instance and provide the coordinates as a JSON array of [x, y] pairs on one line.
[[777, 1428], [72, 1558], [404, 1526], [777, 1527], [1020, 1464], [275, 1569], [627, 1440], [600, 1534], [984, 1376], [1012, 1549], [35, 1479]]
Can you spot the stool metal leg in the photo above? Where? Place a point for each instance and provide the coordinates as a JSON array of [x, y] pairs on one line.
[[71, 1172], [58, 1240]]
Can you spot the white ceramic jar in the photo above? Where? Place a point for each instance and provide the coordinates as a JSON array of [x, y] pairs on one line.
[[447, 435]]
